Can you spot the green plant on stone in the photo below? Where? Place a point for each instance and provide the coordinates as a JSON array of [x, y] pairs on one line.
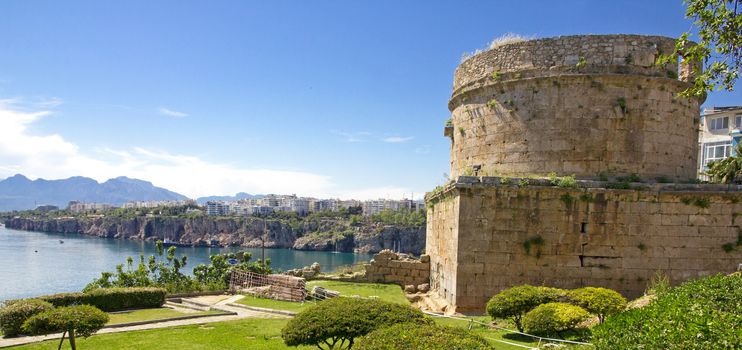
[[462, 131], [658, 284], [621, 185], [602, 176], [74, 321], [567, 182], [586, 197], [701, 203], [505, 180], [492, 103], [523, 182], [449, 122], [516, 301], [621, 102], [600, 301], [337, 322], [727, 247], [581, 62], [535, 241], [642, 246], [567, 199], [553, 318], [628, 59], [495, 76]]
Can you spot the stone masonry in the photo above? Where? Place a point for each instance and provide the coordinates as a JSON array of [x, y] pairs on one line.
[[389, 267], [590, 106], [575, 105]]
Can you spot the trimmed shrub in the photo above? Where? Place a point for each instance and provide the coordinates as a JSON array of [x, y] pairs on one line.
[[111, 299], [553, 318], [413, 336], [702, 314], [77, 321], [14, 314], [600, 301], [335, 323], [517, 301]]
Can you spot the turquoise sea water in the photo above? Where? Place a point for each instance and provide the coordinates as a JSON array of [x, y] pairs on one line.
[[36, 263]]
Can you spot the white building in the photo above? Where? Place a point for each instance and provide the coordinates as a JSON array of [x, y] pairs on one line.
[[719, 134], [217, 208]]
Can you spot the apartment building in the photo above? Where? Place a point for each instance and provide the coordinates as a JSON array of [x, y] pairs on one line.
[[720, 132]]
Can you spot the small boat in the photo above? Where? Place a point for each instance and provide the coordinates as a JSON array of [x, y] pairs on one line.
[[167, 243]]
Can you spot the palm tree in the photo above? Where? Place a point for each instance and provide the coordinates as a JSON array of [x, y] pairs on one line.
[[727, 170]]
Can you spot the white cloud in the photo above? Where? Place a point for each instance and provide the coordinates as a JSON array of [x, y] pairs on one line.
[[397, 139], [50, 156], [352, 137], [171, 113]]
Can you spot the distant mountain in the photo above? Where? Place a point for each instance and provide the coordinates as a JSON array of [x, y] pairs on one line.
[[20, 193], [238, 196]]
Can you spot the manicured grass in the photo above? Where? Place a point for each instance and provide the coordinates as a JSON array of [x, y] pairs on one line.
[[151, 314], [387, 292], [247, 334], [250, 300]]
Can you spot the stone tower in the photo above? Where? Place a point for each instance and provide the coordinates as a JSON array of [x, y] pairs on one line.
[[596, 107], [574, 105]]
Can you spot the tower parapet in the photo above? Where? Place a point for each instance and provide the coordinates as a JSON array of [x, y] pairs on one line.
[[574, 105]]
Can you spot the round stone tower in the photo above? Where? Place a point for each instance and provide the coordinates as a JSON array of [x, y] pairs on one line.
[[575, 105]]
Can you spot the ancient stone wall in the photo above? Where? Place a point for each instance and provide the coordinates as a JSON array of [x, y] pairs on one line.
[[484, 236], [581, 105], [389, 267]]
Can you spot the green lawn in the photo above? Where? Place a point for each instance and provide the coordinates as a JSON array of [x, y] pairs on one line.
[[151, 314], [388, 292], [247, 334]]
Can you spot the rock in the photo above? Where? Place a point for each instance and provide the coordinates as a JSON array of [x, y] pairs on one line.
[[322, 293], [308, 273], [315, 267], [386, 255], [423, 288], [410, 288], [425, 258]]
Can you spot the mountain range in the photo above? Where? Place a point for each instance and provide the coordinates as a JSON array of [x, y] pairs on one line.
[[238, 196], [20, 193]]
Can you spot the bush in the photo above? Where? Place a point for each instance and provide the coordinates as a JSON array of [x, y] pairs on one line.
[[553, 318], [80, 320], [413, 337], [701, 314], [335, 323], [600, 301], [111, 299], [13, 315], [517, 301]]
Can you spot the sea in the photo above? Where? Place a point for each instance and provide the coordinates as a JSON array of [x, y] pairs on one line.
[[38, 263]]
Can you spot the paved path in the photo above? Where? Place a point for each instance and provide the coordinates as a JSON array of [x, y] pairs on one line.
[[219, 305]]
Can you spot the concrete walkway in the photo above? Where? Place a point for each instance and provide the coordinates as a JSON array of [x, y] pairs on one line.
[[220, 304]]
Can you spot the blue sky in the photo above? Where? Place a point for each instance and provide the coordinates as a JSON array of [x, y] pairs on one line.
[[321, 98]]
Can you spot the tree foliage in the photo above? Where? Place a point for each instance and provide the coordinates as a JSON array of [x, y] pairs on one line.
[[414, 337], [517, 301], [600, 301], [76, 321], [553, 318], [216, 275], [702, 314], [727, 170], [719, 48], [336, 323]]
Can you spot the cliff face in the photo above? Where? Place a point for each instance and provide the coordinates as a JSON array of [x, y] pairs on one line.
[[329, 235]]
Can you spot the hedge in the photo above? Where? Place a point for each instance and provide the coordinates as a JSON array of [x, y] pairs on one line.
[[111, 299], [701, 314], [553, 318], [14, 314], [416, 337], [338, 321]]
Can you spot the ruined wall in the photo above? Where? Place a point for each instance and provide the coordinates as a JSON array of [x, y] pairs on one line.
[[506, 235], [388, 267], [577, 105]]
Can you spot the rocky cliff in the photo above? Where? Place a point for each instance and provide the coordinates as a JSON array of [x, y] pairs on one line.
[[327, 234]]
